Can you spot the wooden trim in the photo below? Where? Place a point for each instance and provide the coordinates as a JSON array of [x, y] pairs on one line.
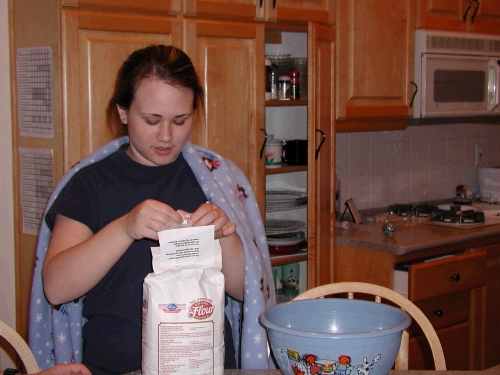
[[228, 29], [150, 6], [361, 125], [121, 22], [302, 15], [223, 8]]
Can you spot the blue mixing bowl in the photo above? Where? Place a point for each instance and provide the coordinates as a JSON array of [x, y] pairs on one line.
[[334, 336]]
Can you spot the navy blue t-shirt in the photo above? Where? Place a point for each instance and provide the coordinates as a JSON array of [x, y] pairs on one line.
[[95, 196]]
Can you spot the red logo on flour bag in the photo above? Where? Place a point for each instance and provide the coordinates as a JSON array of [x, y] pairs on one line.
[[201, 309]]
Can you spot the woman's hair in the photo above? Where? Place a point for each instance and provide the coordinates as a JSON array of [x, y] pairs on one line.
[[166, 63]]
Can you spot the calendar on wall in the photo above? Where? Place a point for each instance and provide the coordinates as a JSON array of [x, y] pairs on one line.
[[36, 186], [34, 82]]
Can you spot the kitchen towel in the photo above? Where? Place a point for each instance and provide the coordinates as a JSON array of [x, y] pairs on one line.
[[55, 331]]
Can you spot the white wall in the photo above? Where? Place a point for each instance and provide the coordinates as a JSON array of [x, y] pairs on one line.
[[418, 164], [7, 289]]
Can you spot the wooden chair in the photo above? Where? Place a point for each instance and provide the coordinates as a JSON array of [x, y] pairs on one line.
[[22, 349], [380, 292]]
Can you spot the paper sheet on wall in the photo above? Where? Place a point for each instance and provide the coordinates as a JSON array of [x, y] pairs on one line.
[[34, 83], [36, 186]]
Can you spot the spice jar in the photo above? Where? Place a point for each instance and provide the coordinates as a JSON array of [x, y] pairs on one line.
[[284, 83], [294, 84]]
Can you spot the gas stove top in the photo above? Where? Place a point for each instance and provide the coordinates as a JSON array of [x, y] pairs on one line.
[[453, 214], [410, 210]]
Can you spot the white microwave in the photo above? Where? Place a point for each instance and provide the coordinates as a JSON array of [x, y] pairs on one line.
[[456, 74]]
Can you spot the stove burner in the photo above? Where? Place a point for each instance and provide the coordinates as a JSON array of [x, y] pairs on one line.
[[459, 217], [401, 209], [421, 210]]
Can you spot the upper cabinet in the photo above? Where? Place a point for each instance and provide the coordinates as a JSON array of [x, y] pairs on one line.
[[319, 11], [230, 58], [480, 16], [374, 64], [94, 45], [298, 11]]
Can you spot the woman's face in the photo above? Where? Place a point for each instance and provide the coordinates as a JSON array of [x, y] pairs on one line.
[[159, 122]]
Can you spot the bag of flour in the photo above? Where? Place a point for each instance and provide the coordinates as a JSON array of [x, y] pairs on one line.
[[183, 305]]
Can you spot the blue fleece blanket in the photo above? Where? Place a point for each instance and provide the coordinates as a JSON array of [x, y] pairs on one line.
[[55, 331]]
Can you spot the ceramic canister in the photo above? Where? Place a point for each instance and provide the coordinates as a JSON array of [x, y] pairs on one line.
[[274, 152]]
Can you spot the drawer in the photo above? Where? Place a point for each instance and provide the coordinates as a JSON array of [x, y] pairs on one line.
[[448, 275], [455, 342], [444, 311]]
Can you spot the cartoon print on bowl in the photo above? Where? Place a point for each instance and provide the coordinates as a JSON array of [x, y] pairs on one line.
[[310, 364]]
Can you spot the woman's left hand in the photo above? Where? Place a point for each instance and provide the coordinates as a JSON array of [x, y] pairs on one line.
[[211, 214]]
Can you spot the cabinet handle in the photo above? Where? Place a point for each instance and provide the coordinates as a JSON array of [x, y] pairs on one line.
[[274, 4], [261, 3], [456, 277], [320, 144], [467, 10], [263, 143], [414, 93], [438, 313], [475, 11]]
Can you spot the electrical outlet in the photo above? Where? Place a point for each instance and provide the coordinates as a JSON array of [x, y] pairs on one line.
[[479, 154]]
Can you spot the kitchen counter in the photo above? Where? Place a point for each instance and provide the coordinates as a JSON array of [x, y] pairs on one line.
[[412, 236]]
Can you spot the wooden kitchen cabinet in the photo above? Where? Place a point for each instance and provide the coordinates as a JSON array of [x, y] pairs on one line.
[[492, 305], [94, 45], [449, 291], [479, 16], [374, 64], [229, 56], [302, 11]]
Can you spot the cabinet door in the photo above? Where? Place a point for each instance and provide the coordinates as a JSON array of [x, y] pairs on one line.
[[228, 9], [443, 14], [94, 45], [229, 58], [487, 20], [319, 11], [492, 308], [321, 165], [374, 59], [149, 6]]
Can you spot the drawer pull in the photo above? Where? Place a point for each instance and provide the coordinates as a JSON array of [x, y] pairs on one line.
[[456, 277], [438, 313]]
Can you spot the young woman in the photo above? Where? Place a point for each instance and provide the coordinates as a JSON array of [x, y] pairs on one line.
[[108, 215]]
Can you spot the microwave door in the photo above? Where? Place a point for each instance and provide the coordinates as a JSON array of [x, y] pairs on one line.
[[459, 86]]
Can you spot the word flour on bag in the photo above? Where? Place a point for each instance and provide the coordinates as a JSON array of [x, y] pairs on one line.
[[183, 305]]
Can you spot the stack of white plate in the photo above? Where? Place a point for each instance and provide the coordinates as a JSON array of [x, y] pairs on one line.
[[277, 200]]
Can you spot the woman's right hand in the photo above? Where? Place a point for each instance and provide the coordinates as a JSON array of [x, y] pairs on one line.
[[148, 218], [82, 258]]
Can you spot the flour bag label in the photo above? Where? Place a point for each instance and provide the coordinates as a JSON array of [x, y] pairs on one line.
[[183, 305]]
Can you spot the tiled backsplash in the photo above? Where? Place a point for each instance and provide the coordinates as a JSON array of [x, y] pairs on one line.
[[418, 164]]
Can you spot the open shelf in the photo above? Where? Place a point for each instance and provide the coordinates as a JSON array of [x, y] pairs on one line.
[[286, 169], [279, 260]]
